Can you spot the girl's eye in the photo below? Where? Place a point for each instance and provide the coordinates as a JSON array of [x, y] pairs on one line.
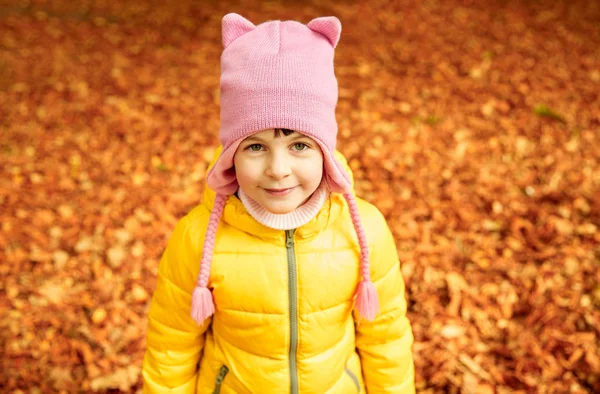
[[254, 147], [300, 146]]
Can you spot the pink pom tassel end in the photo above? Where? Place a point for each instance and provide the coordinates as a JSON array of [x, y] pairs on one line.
[[203, 306], [367, 301]]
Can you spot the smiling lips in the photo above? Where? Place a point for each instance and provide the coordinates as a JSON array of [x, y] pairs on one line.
[[279, 192]]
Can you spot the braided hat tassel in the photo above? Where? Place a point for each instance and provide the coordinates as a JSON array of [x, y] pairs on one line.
[[367, 300], [203, 305]]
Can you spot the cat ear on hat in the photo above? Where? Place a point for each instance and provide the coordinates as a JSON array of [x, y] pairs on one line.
[[234, 26], [329, 26]]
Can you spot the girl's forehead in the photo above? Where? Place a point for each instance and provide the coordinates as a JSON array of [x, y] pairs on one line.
[[271, 134]]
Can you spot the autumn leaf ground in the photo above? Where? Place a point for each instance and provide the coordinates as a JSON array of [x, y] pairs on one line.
[[474, 127]]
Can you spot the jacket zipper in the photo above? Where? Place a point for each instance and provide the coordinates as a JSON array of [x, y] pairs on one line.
[[220, 377], [293, 298], [354, 379]]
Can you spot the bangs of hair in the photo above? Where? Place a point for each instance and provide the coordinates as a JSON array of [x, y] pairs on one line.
[[285, 132]]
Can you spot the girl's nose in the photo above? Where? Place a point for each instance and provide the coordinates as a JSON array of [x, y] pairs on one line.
[[278, 166]]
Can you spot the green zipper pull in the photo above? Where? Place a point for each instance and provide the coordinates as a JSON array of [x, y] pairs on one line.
[[289, 238], [220, 377], [222, 372]]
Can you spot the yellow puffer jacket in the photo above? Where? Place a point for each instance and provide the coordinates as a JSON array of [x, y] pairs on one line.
[[284, 320]]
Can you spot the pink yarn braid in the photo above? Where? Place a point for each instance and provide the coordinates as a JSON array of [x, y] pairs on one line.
[[203, 305], [367, 301]]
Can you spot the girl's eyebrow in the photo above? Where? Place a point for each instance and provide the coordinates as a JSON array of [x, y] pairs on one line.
[[254, 138], [291, 137], [299, 136]]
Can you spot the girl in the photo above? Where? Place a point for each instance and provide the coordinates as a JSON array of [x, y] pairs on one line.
[[293, 282]]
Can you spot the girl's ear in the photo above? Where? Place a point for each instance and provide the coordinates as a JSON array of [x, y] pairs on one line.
[[329, 26], [234, 26]]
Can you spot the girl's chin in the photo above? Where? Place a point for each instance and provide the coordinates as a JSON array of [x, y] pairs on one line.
[[280, 209]]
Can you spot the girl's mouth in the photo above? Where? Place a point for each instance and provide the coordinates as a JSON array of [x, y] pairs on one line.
[[279, 192]]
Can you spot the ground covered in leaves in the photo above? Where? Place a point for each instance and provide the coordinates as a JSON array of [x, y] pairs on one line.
[[473, 125]]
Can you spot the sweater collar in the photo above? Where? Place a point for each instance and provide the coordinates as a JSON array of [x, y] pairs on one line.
[[287, 221], [237, 216]]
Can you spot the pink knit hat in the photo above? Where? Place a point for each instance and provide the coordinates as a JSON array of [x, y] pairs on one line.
[[278, 74]]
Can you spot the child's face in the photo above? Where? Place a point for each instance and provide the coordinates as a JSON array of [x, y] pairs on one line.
[[279, 171]]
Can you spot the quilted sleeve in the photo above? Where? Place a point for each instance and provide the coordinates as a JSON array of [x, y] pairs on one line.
[[174, 342], [385, 344]]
